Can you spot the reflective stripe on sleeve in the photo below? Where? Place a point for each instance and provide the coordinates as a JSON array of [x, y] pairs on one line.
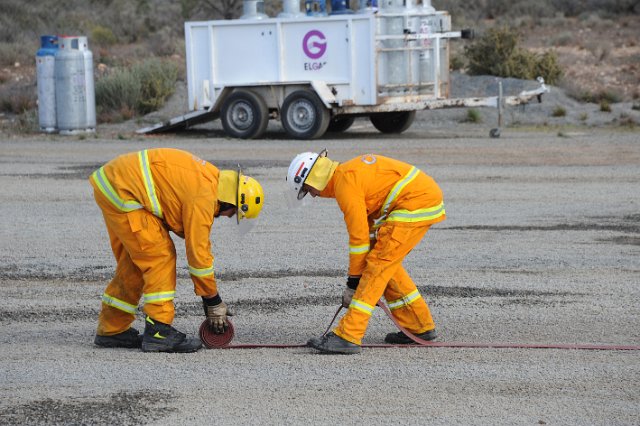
[[359, 305], [393, 194], [119, 304], [161, 296], [201, 272], [364, 248], [143, 156], [419, 215], [100, 178], [406, 300]]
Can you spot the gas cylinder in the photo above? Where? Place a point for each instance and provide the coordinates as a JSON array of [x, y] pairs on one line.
[[45, 71], [340, 7], [392, 66], [253, 9], [291, 9], [316, 7], [75, 94], [368, 6]]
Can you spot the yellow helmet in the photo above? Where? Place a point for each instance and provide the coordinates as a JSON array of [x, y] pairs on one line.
[[251, 197], [242, 191]]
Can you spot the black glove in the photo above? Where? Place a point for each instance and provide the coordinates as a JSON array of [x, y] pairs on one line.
[[347, 294]]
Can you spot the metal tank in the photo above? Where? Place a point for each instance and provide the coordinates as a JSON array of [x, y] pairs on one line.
[[75, 94], [340, 7], [368, 6], [316, 7], [45, 71], [291, 9], [253, 9], [392, 61]]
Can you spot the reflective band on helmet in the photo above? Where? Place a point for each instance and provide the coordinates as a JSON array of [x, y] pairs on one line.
[[364, 248], [393, 194], [201, 272], [406, 300], [359, 305], [161, 296], [107, 190], [119, 304], [420, 215], [148, 183]]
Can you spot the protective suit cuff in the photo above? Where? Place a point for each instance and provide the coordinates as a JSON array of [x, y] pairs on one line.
[[212, 301]]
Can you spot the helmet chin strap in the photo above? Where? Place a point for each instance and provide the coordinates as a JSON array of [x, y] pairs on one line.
[[238, 210]]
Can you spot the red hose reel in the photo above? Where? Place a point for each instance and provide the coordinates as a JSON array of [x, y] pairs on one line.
[[212, 340]]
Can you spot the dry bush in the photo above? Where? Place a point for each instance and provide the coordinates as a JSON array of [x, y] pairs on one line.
[[462, 10], [18, 99], [138, 89], [559, 111]]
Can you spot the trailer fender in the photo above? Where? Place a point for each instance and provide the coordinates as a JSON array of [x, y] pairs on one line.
[[224, 93], [324, 92]]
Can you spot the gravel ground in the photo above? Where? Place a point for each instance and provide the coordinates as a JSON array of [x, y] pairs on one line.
[[541, 245]]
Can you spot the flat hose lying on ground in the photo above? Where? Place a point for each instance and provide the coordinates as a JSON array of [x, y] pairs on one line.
[[222, 341]]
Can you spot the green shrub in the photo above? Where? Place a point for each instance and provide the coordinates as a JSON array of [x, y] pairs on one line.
[[473, 116], [497, 53], [548, 67], [559, 111], [137, 90], [605, 106], [594, 98], [456, 63], [103, 36]]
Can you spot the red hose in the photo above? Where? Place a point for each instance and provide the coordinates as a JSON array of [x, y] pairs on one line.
[[212, 340], [221, 341]]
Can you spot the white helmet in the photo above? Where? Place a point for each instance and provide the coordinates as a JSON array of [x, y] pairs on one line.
[[299, 172]]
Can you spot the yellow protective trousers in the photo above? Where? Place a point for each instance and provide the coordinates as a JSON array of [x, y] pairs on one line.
[[384, 275], [146, 267]]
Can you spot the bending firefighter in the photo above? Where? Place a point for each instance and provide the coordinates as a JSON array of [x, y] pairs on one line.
[[388, 207], [144, 195]]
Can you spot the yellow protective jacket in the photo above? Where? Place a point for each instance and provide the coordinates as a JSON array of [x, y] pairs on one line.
[[372, 190], [177, 187]]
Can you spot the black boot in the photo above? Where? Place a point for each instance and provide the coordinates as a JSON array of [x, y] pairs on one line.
[[160, 337], [400, 338], [331, 343], [127, 339]]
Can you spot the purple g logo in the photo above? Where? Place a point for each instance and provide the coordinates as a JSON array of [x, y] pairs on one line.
[[314, 44]]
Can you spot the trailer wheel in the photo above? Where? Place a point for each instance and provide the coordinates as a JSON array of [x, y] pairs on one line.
[[340, 124], [244, 115], [392, 122], [304, 116]]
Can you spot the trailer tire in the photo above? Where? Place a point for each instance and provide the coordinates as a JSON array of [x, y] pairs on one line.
[[304, 116], [340, 124], [392, 122], [244, 114]]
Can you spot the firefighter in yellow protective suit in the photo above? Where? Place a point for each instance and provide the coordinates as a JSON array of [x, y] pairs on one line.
[[388, 207], [144, 195]]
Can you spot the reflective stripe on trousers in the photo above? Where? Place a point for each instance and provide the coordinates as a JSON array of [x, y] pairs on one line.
[[118, 304], [407, 300], [201, 272]]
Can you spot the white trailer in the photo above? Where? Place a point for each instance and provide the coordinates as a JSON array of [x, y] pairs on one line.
[[318, 73]]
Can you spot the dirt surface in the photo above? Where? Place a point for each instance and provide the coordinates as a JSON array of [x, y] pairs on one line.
[[541, 245]]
